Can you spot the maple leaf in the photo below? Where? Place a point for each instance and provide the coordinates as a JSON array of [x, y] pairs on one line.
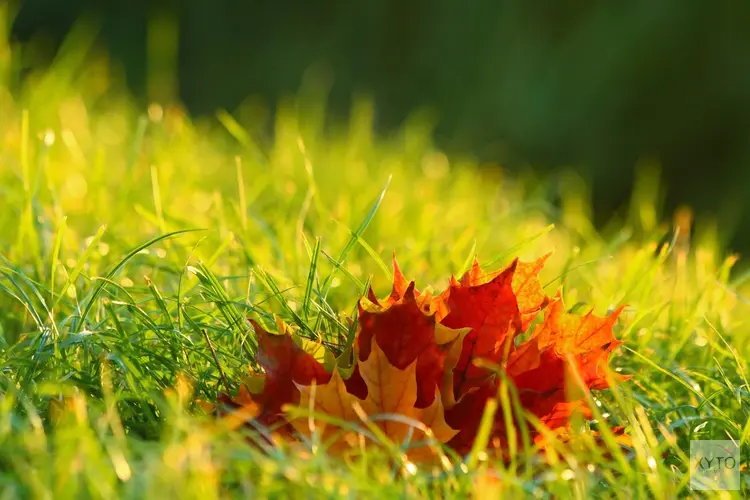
[[529, 292], [466, 414], [390, 390], [401, 287], [496, 307], [541, 369], [284, 364], [401, 357], [491, 311], [243, 408], [543, 363], [405, 333], [530, 296]]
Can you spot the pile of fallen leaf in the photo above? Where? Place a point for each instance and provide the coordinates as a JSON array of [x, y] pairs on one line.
[[423, 368]]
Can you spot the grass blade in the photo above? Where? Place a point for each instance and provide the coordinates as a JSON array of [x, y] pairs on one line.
[[355, 237], [77, 326]]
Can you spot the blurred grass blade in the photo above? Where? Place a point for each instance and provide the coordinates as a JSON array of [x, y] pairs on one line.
[[355, 237], [518, 246], [82, 260], [77, 326]]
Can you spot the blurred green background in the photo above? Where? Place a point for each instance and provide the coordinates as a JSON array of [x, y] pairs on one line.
[[599, 87]]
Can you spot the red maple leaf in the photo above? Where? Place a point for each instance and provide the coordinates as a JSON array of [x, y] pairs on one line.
[[285, 364], [405, 333], [496, 307]]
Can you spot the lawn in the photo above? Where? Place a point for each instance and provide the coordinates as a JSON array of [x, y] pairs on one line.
[[135, 240]]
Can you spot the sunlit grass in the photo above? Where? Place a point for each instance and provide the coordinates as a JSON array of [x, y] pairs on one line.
[[127, 232]]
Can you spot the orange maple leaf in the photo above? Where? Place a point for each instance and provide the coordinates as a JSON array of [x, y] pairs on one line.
[[391, 391], [542, 363]]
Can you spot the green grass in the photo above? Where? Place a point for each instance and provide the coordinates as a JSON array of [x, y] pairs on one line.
[[131, 236]]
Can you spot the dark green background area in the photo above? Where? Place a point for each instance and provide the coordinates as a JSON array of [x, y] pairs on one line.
[[591, 85]]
